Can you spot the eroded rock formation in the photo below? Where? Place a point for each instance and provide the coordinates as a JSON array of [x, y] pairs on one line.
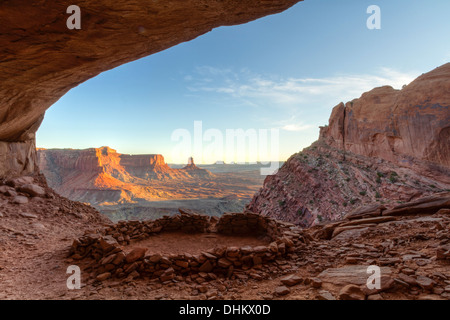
[[191, 168], [388, 146], [403, 126], [41, 59]]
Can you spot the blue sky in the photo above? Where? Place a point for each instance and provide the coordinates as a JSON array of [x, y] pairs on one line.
[[284, 72]]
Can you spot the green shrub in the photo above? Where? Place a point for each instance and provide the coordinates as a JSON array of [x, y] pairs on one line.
[[393, 178], [363, 193]]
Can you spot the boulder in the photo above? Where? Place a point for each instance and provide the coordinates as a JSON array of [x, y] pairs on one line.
[[367, 221], [375, 297], [118, 258], [33, 190], [339, 230], [206, 267], [443, 252], [107, 243], [103, 276], [135, 254], [407, 279], [155, 258], [20, 200], [282, 291], [373, 210], [224, 263], [4, 189], [182, 264], [428, 205], [28, 215], [356, 275], [325, 295], [20, 181], [291, 280], [425, 282], [351, 292]]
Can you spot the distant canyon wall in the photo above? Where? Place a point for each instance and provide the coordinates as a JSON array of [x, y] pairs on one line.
[[104, 168]]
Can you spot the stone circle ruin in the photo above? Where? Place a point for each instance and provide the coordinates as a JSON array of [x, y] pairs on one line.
[[110, 254]]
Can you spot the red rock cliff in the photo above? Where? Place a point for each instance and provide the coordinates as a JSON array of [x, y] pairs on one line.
[[386, 147], [397, 125], [148, 166], [103, 175]]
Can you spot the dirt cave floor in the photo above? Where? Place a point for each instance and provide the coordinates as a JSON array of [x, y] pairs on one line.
[[35, 238], [167, 243]]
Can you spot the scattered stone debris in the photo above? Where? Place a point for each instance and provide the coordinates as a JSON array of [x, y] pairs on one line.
[[412, 252]]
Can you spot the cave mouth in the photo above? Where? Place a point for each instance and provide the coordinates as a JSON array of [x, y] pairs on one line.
[[103, 177], [45, 58]]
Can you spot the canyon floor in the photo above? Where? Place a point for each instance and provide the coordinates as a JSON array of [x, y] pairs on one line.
[[411, 248], [125, 187], [229, 190]]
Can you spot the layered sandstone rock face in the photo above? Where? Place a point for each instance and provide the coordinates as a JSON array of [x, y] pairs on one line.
[[387, 147], [408, 127], [98, 175], [41, 59], [148, 166]]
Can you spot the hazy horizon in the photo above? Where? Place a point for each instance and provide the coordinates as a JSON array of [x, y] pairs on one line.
[[277, 72], [262, 162]]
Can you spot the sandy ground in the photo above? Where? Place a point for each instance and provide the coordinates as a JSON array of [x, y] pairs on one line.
[[179, 243], [35, 238]]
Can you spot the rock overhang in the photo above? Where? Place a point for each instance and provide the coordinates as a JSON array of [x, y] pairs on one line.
[[41, 59]]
